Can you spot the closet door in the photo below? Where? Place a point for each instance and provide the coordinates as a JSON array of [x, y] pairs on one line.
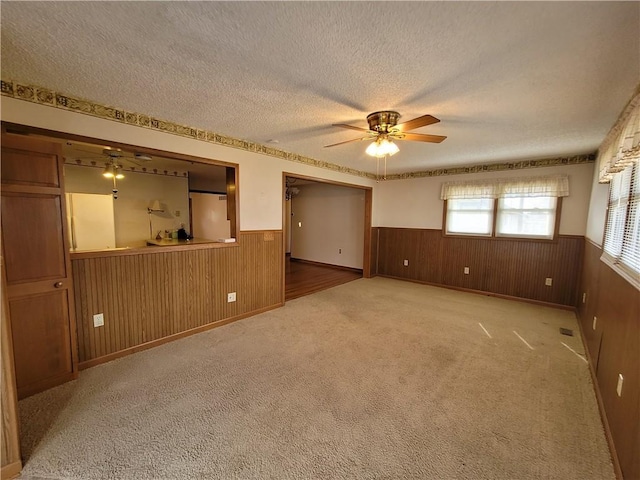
[[38, 268]]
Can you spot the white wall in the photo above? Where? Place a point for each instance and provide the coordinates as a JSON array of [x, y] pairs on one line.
[[598, 204], [260, 189], [287, 227], [411, 203], [415, 203], [209, 216], [136, 192], [327, 225]]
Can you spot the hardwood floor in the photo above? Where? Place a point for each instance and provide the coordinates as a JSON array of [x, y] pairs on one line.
[[303, 278]]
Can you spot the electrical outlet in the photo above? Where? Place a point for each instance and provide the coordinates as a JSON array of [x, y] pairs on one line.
[[98, 320], [340, 250], [231, 297], [548, 281], [466, 270], [406, 263], [584, 297], [619, 386], [177, 213], [595, 320]]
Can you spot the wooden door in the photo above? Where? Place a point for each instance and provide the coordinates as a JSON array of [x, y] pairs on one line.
[[38, 269]]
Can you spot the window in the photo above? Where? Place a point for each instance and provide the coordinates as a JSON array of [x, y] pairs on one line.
[[525, 207], [526, 217], [470, 216], [622, 231]]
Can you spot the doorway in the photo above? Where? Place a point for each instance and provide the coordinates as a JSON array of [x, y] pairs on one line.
[[327, 230]]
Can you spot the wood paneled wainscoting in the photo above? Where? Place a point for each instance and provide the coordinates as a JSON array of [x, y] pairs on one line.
[[613, 345], [511, 268], [150, 297]]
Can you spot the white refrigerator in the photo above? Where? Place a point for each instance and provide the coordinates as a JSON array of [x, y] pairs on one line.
[[91, 221]]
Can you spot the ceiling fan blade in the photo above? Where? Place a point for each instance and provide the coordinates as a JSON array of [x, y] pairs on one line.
[[344, 125], [418, 137], [348, 141], [422, 121]]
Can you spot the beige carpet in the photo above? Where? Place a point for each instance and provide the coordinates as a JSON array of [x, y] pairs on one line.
[[376, 378]]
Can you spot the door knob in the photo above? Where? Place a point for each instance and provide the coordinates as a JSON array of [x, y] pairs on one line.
[[57, 284]]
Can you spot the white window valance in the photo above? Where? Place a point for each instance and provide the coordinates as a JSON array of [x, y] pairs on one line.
[[549, 186], [621, 147]]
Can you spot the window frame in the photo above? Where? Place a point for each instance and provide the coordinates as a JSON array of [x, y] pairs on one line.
[[494, 223], [613, 261], [466, 235]]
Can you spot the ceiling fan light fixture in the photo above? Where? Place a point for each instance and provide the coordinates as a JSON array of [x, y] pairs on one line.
[[391, 148], [112, 170], [108, 171], [382, 147]]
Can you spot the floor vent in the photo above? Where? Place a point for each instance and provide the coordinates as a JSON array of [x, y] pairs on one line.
[[566, 331]]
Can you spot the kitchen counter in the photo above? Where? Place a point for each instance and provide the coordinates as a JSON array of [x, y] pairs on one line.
[[154, 247], [168, 242]]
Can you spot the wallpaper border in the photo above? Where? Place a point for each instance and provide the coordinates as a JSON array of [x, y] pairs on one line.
[[51, 98]]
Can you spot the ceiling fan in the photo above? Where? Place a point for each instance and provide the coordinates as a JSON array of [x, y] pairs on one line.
[[384, 128]]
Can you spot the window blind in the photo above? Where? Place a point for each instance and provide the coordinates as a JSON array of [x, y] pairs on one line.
[[618, 202], [622, 231], [631, 238]]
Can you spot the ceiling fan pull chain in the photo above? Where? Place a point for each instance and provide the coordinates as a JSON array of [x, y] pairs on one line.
[[385, 167]]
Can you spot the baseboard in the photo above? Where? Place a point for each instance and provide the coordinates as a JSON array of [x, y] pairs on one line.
[[482, 292], [46, 384], [176, 336], [321, 264], [11, 470], [603, 415]]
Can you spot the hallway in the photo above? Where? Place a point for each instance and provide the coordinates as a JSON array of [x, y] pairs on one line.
[[302, 278]]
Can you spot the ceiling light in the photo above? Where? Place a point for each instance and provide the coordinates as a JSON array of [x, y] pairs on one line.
[[382, 147], [108, 171], [112, 170]]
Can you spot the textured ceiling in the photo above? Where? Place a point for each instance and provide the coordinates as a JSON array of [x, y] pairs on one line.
[[509, 81]]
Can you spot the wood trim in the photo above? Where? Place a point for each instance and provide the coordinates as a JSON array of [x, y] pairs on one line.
[[483, 292], [208, 192], [368, 209], [556, 227], [155, 343], [588, 240], [11, 470], [494, 226], [150, 297], [613, 348], [67, 260], [14, 128], [123, 252], [232, 200], [603, 414], [10, 443], [511, 268], [52, 134], [325, 180], [31, 189], [322, 264], [285, 234], [34, 388]]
